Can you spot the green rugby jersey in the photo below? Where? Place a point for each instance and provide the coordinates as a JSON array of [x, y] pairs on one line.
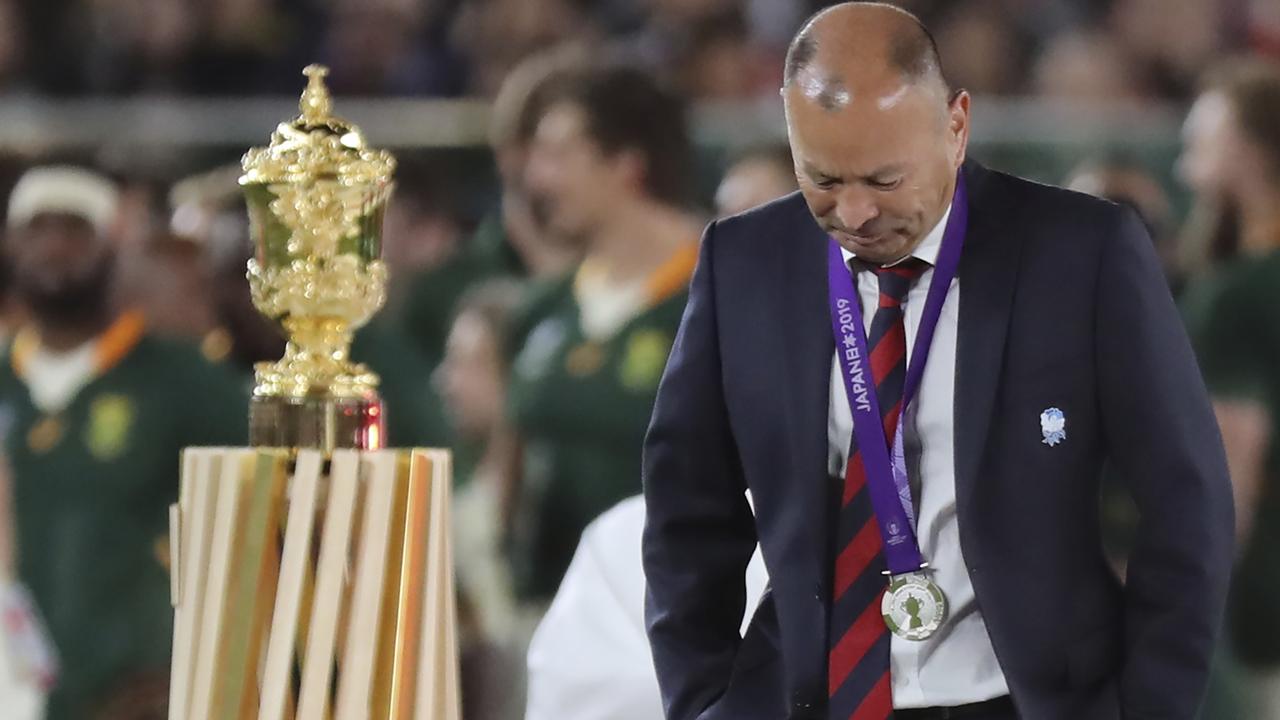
[[92, 484], [582, 406]]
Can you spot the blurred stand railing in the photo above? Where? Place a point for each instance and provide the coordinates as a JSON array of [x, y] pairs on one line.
[[34, 125]]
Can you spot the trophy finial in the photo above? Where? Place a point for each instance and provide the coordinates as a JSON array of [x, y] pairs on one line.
[[316, 104]]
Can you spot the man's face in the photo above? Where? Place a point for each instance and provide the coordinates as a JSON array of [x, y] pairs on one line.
[[59, 261], [878, 173], [571, 182], [471, 377], [752, 182], [1215, 157]]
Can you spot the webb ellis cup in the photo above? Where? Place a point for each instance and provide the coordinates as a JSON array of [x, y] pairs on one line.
[[316, 198], [312, 574]]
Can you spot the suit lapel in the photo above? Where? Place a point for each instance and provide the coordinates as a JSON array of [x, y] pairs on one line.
[[988, 274]]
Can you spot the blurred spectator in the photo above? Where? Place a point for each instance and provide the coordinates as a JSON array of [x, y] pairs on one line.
[[177, 295], [1228, 145], [380, 47], [711, 49], [13, 41], [1085, 66], [22, 642], [1233, 152], [496, 35], [206, 212], [1172, 41], [1225, 162], [607, 171], [243, 335], [20, 694], [472, 379], [509, 240], [96, 412], [243, 47], [516, 240], [1262, 26], [139, 46], [754, 178], [663, 35], [473, 382], [453, 47], [720, 61], [982, 47], [774, 24], [1125, 181], [512, 237], [422, 231], [11, 312]]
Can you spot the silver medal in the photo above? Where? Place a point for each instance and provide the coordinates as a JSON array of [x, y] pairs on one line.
[[913, 606]]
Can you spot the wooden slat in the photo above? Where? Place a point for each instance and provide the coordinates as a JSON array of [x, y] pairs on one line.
[[277, 682], [175, 556], [251, 590], [416, 474], [382, 690], [235, 464], [360, 653], [340, 511], [196, 505], [452, 675], [437, 669]]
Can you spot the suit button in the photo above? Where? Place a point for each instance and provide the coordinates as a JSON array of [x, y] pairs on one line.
[[805, 711], [802, 702]]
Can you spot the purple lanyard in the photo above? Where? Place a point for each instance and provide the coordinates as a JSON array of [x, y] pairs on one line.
[[887, 474]]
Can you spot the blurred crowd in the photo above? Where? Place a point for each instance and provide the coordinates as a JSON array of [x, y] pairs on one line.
[[711, 49], [527, 327]]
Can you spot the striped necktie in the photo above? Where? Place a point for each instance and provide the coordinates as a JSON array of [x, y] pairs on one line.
[[858, 659]]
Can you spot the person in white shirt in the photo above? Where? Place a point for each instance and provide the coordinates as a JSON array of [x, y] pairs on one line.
[[590, 659]]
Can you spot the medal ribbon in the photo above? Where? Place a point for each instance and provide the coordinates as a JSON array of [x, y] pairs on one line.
[[886, 468]]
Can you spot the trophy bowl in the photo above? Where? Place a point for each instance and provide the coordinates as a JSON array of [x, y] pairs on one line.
[[316, 197]]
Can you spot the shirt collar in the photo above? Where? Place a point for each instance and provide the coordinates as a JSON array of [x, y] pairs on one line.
[[927, 250]]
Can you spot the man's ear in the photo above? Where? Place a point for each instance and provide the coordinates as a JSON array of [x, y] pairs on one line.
[[958, 124]]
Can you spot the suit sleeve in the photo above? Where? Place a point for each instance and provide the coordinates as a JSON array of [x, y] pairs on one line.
[[1161, 435], [699, 534]]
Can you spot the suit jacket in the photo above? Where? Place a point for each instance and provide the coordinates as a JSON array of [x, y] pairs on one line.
[[1063, 305]]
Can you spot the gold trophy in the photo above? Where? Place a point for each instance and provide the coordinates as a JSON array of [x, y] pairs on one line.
[[312, 572], [316, 198]]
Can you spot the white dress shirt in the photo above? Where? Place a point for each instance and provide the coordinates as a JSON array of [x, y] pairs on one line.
[[957, 665]]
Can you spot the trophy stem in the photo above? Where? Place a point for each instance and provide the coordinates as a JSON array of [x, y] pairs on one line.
[[315, 397], [323, 423]]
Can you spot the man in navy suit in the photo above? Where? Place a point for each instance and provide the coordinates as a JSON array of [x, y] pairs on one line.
[[1053, 350]]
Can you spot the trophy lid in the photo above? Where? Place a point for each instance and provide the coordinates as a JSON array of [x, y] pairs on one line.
[[317, 145]]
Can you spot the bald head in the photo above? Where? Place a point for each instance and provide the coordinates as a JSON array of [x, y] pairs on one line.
[[860, 45], [876, 135]]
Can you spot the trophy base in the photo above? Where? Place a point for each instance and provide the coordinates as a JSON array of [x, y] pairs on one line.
[[322, 423]]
